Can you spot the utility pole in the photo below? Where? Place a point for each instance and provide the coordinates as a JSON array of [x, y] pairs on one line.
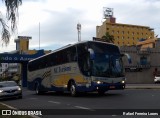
[[39, 35]]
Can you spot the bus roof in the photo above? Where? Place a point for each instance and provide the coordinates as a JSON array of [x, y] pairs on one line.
[[67, 46]]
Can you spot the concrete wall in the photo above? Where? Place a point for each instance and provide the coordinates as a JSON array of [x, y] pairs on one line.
[[143, 77], [145, 73]]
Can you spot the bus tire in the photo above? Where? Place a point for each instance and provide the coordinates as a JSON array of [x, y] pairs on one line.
[[73, 91], [38, 92]]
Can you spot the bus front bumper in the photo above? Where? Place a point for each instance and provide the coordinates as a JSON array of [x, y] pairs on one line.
[[101, 86]]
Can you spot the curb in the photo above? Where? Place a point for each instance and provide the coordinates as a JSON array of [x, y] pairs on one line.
[[142, 87]]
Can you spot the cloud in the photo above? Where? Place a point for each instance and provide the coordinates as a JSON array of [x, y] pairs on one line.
[[60, 28], [58, 19]]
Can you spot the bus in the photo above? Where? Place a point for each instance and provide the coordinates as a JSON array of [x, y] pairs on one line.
[[86, 66]]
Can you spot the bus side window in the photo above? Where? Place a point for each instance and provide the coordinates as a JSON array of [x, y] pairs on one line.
[[83, 58], [71, 54]]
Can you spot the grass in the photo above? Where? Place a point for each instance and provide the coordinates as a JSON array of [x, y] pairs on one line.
[[3, 107]]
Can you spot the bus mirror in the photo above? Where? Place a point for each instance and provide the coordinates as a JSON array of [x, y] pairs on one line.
[[91, 52], [128, 57]]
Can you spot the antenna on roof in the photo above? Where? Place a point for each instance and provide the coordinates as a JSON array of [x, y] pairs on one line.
[[79, 31]]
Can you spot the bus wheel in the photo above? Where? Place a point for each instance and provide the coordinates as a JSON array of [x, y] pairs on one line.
[[73, 89], [38, 92]]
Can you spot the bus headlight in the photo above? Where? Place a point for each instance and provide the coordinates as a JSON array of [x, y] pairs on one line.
[[99, 82], [123, 82], [1, 91]]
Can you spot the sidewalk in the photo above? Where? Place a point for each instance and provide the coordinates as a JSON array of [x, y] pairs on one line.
[[142, 86]]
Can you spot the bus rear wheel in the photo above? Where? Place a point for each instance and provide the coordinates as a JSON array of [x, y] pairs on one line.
[[38, 92], [73, 89]]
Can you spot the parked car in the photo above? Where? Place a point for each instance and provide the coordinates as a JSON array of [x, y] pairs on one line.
[[157, 79], [10, 89]]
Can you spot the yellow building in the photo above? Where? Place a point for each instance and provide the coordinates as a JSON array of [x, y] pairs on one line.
[[124, 34], [22, 45]]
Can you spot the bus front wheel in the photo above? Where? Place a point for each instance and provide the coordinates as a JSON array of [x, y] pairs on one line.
[[73, 89]]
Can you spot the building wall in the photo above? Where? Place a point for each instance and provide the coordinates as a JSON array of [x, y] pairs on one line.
[[124, 34], [141, 71], [24, 44], [3, 68], [13, 68]]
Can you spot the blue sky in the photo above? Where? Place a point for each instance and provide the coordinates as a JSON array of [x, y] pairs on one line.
[[58, 19]]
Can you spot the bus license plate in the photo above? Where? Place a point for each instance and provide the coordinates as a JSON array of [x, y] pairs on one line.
[[112, 87]]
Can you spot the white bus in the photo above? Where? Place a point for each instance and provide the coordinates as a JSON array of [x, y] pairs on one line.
[[82, 67]]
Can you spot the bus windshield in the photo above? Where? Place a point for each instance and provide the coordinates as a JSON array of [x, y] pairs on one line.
[[107, 61]]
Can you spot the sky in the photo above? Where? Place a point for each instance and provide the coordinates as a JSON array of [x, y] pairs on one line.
[[58, 19]]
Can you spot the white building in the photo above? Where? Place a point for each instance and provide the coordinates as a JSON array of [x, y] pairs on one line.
[[3, 68], [8, 68]]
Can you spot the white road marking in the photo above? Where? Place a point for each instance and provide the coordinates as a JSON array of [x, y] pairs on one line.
[[8, 106], [80, 107], [54, 102]]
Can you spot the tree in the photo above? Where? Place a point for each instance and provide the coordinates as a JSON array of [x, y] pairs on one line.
[[108, 38], [12, 14]]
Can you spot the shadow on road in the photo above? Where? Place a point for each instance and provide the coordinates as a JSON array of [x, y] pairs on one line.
[[84, 95]]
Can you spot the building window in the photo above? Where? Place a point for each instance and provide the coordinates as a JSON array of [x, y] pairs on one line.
[[143, 60], [117, 32]]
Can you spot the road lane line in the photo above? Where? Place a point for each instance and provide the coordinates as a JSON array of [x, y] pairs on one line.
[[54, 102], [80, 107]]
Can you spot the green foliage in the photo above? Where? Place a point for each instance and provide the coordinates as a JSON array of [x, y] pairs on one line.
[[11, 15], [108, 38]]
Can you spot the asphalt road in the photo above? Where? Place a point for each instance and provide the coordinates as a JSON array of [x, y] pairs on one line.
[[91, 102]]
